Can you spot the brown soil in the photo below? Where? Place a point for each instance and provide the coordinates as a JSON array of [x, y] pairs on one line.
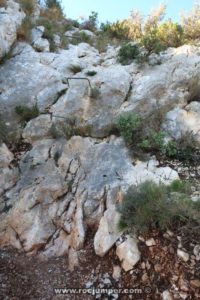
[[25, 277]]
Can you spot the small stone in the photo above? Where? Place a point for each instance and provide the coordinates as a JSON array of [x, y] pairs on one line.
[[88, 284], [183, 255], [195, 283], [106, 281], [116, 272], [196, 252], [150, 242], [183, 296], [143, 265], [166, 295], [183, 285], [145, 277], [175, 278], [148, 266], [157, 268]]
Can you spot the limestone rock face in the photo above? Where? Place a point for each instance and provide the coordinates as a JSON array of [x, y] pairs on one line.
[[65, 186], [108, 232], [168, 84], [180, 122], [10, 19], [60, 186], [8, 173]]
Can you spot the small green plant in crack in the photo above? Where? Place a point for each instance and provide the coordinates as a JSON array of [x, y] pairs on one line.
[[95, 93], [3, 131], [91, 73], [27, 113], [75, 69], [70, 184], [56, 156]]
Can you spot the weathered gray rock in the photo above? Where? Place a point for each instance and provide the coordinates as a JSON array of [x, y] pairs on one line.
[[98, 113], [87, 32], [8, 173], [108, 231], [68, 192], [10, 19], [180, 122], [38, 128], [128, 253], [168, 84], [26, 80]]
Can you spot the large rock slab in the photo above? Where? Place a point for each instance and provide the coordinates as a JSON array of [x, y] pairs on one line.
[[67, 186], [10, 19], [182, 122]]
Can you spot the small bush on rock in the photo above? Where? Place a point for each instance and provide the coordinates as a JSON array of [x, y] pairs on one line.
[[3, 3], [27, 6], [27, 113], [129, 126], [152, 205], [95, 93], [24, 31], [91, 73], [3, 131], [128, 53], [75, 69]]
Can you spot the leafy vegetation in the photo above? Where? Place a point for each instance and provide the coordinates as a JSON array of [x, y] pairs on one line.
[[149, 138], [27, 113], [75, 69], [91, 73], [152, 205], [128, 126], [91, 23], [128, 53]]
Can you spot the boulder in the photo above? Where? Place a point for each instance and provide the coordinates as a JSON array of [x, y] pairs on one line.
[[11, 18], [128, 253]]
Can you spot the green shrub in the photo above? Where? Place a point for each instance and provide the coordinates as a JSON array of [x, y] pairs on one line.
[[24, 31], [190, 23], [129, 125], [171, 149], [152, 43], [91, 73], [170, 34], [128, 53], [27, 113], [152, 205], [51, 28], [56, 156], [117, 30], [75, 69], [154, 141]]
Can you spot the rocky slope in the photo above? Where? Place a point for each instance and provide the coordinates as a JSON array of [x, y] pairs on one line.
[[54, 190]]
